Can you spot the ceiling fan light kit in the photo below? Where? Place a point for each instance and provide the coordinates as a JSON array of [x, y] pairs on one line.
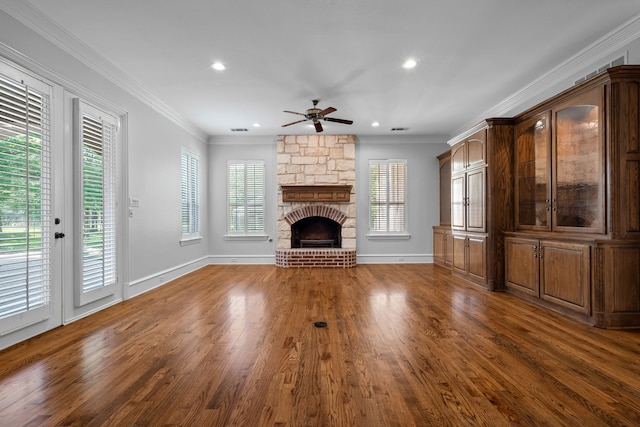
[[316, 115]]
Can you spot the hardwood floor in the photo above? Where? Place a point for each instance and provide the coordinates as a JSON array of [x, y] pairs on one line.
[[404, 345]]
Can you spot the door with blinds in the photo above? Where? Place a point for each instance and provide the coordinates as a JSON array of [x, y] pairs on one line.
[[29, 248], [95, 203]]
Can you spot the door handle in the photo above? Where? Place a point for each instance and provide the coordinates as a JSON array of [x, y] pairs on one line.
[[58, 235]]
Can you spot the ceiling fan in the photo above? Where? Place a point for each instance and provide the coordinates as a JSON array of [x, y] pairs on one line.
[[315, 115]]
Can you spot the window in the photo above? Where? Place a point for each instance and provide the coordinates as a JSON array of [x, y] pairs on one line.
[[245, 197], [25, 203], [387, 196], [190, 189], [96, 195]]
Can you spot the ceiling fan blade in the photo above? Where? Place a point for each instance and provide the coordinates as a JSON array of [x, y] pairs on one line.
[[318, 126], [293, 123], [343, 121], [293, 112], [327, 111]]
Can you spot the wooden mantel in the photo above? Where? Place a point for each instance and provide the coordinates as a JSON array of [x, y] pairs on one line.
[[316, 193]]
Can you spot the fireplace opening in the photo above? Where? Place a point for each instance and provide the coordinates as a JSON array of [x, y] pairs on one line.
[[316, 232]]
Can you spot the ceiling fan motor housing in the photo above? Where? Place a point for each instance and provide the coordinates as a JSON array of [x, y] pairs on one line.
[[314, 114]]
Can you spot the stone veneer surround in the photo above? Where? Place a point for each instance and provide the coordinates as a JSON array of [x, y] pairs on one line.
[[316, 160]]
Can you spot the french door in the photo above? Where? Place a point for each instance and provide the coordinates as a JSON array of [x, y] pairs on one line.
[[29, 254], [59, 194]]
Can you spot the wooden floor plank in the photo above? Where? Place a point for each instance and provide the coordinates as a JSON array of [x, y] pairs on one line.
[[404, 345]]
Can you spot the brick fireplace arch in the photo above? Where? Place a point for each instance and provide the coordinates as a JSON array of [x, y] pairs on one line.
[[315, 210]]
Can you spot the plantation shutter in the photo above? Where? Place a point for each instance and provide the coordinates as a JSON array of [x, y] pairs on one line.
[[397, 190], [25, 203], [190, 176], [245, 196], [96, 200], [387, 195]]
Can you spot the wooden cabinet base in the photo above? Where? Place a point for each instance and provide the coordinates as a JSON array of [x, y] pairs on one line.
[[470, 257], [596, 282], [616, 284]]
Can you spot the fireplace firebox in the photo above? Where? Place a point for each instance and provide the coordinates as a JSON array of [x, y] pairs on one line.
[[316, 232]]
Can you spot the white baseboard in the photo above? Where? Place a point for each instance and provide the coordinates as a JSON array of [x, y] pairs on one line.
[[145, 284], [395, 259], [242, 259]]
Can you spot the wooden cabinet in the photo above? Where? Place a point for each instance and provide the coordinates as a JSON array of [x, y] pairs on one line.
[[469, 257], [555, 272], [444, 168], [442, 246], [469, 153], [576, 247], [468, 183], [481, 162], [560, 167], [442, 238]]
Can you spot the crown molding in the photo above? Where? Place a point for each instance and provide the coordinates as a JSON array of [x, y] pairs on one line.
[[595, 53], [38, 22]]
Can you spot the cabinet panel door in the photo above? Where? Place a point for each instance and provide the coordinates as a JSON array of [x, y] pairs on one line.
[[458, 202], [438, 246], [476, 252], [445, 192], [522, 265], [476, 148], [459, 254], [533, 173], [578, 192], [565, 275], [475, 200], [448, 249], [458, 157]]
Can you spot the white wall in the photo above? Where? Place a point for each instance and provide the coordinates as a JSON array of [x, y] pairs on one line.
[[422, 197], [152, 155], [422, 188], [221, 250]]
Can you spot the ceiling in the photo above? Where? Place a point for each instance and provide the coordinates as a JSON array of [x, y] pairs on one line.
[[280, 54]]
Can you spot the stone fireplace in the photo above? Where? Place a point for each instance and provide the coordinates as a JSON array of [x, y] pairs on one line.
[[316, 213]]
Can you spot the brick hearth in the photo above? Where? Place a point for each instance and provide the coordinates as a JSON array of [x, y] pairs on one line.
[[323, 257]]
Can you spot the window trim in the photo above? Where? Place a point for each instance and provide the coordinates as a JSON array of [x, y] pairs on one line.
[[192, 237], [385, 234], [245, 235]]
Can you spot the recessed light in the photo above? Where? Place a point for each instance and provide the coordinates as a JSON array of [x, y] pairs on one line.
[[409, 63], [257, 125], [218, 66], [375, 124]]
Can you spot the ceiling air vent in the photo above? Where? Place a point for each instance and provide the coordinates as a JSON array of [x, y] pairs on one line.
[[614, 63], [239, 130], [399, 129]]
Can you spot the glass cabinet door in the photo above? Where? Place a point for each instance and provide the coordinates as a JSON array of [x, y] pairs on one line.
[[533, 192], [458, 202], [578, 193]]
